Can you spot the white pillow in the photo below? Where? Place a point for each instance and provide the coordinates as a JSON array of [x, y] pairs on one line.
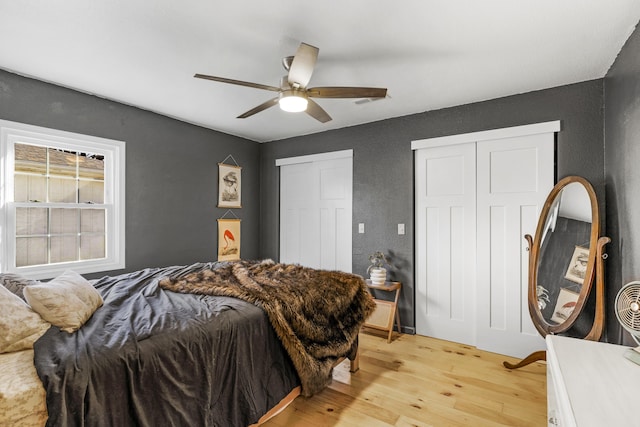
[[20, 326], [67, 301]]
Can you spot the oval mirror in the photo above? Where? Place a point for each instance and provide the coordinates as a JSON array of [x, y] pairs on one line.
[[563, 255]]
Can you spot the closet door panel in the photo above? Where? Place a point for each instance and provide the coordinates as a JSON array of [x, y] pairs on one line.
[[445, 242], [300, 214], [316, 212], [514, 177]]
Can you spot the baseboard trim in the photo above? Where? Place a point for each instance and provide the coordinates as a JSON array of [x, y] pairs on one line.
[[411, 330]]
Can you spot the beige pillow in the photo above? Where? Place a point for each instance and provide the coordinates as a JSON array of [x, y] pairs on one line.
[[67, 301], [20, 326]]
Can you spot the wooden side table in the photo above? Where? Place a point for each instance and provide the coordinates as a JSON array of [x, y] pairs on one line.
[[386, 311]]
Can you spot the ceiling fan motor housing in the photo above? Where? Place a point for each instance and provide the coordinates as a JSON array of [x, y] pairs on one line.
[[286, 62]]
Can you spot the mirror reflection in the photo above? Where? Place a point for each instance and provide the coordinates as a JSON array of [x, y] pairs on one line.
[[564, 253], [566, 258]]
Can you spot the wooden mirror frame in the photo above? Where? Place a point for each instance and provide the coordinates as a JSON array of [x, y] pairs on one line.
[[538, 319], [594, 271]]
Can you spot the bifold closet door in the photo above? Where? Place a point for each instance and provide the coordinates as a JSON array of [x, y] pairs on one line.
[[475, 201], [446, 242], [515, 176], [316, 213]]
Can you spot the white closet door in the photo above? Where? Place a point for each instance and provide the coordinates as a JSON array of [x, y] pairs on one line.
[[515, 176], [477, 195], [316, 213], [300, 215], [445, 242]]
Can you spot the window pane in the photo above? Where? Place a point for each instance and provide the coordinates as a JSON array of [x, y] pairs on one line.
[[91, 191], [62, 190], [91, 167], [64, 221], [30, 158], [30, 221], [62, 163], [92, 246], [31, 251], [64, 248], [92, 220], [30, 188], [56, 175]]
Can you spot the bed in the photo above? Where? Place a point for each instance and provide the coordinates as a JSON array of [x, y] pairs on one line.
[[208, 344]]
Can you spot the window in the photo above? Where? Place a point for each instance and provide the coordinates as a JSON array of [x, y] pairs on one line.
[[62, 201]]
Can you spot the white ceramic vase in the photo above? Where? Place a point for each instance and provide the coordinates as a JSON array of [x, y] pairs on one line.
[[378, 275]]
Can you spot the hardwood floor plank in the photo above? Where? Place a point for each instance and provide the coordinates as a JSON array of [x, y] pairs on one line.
[[410, 422], [424, 382]]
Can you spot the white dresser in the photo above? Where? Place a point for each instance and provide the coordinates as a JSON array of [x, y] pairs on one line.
[[590, 384]]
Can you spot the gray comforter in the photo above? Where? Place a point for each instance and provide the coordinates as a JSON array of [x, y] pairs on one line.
[[152, 357]]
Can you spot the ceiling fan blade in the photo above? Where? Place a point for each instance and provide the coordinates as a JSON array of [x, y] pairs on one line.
[[346, 92], [237, 82], [316, 111], [261, 107], [303, 64]]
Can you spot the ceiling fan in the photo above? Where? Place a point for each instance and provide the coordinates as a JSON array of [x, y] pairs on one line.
[[293, 94]]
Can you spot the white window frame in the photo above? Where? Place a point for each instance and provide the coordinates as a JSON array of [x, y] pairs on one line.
[[114, 202]]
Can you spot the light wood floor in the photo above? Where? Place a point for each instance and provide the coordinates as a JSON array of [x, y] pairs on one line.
[[420, 381]]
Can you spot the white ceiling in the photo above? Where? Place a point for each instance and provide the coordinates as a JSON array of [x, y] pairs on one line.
[[430, 54]]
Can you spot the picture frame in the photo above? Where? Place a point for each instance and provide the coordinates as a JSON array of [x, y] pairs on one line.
[[228, 239], [229, 186], [565, 304], [578, 265]]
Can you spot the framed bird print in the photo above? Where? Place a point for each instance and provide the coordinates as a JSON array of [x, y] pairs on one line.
[[228, 239], [229, 186], [578, 265], [565, 305]]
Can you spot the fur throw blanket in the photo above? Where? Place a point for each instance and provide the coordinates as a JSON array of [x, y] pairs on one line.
[[317, 314]]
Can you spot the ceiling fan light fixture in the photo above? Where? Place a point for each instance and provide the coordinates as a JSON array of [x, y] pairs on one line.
[[293, 101]]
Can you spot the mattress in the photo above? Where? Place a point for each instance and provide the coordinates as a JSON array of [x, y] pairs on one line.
[[22, 397], [150, 357]]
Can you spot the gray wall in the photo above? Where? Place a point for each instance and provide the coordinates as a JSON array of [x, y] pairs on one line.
[[383, 165], [622, 167], [172, 168], [171, 174]]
